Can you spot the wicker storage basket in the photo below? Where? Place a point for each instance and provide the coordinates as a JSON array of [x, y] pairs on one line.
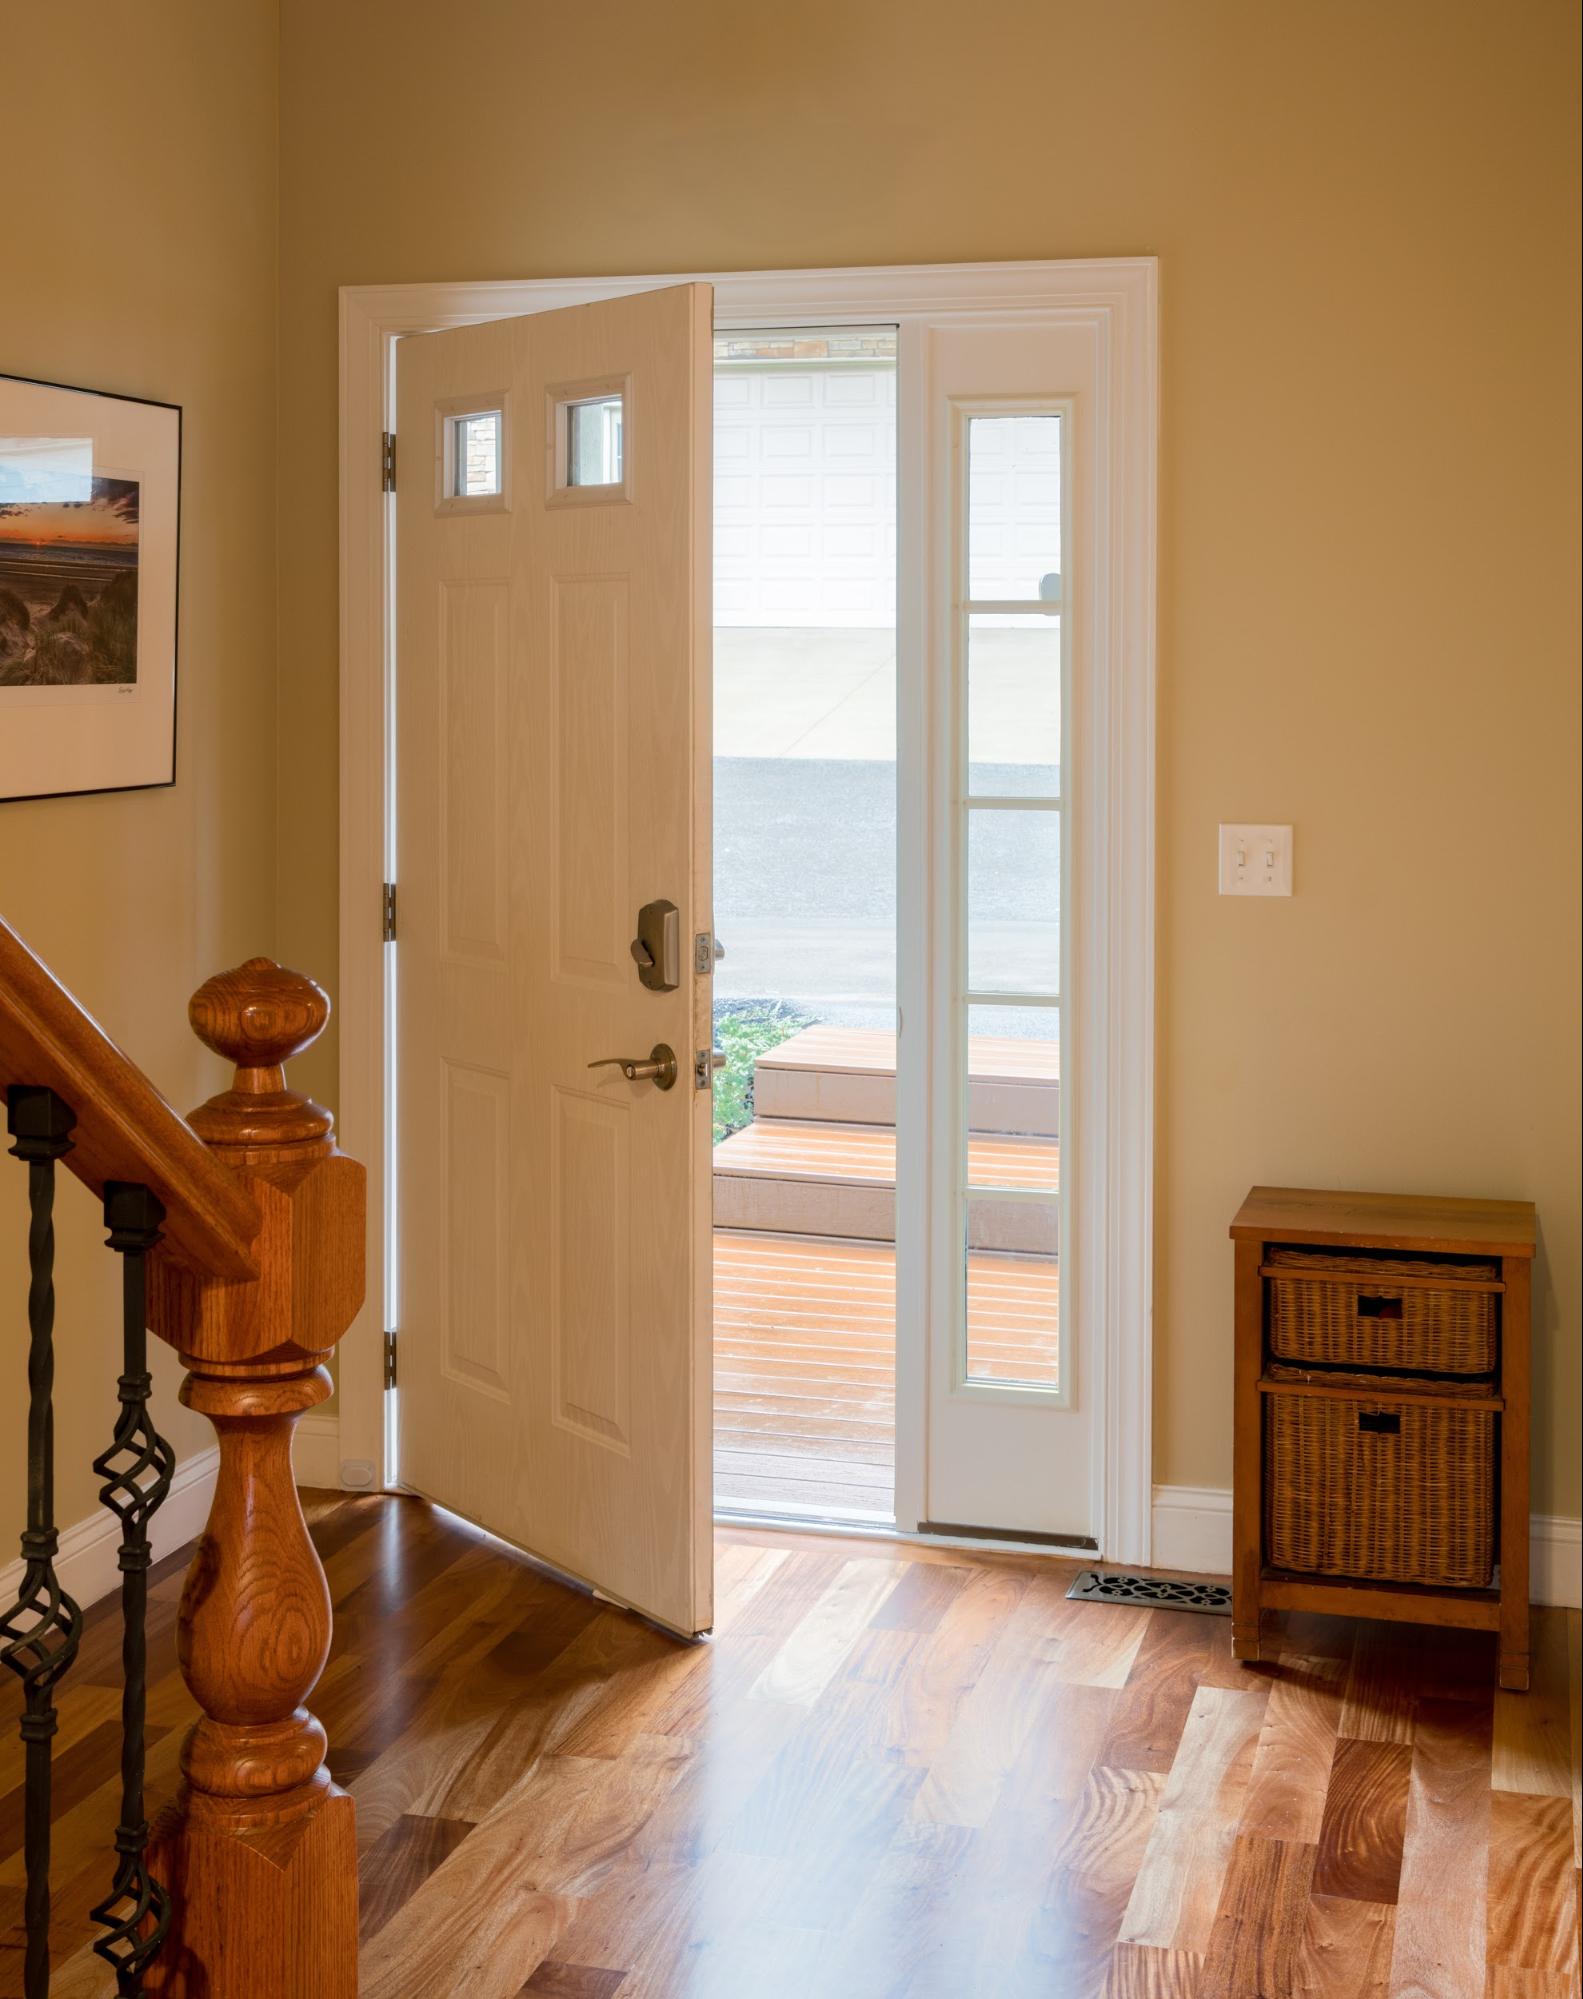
[[1346, 1312], [1400, 1492]]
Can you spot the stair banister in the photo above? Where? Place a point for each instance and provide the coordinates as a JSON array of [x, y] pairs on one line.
[[125, 1130], [255, 1275]]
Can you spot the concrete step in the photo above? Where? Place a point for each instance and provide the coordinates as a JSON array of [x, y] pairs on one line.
[[790, 1177], [847, 1075]]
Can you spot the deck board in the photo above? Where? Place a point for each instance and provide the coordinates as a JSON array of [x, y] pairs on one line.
[[789, 1149], [872, 1052], [805, 1377]]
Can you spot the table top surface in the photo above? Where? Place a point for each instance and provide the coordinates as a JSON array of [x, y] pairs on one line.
[[1387, 1221]]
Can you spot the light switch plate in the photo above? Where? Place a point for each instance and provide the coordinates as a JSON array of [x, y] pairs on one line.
[[1255, 860]]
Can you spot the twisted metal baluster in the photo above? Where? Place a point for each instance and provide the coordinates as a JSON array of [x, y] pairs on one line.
[[43, 1628], [136, 1470]]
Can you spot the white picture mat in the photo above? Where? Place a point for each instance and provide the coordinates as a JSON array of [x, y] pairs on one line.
[[66, 739]]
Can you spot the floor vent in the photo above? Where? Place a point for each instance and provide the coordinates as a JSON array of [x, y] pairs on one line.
[[1163, 1592]]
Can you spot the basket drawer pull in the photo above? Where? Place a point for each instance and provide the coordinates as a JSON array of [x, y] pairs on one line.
[[1378, 1308], [1379, 1422]]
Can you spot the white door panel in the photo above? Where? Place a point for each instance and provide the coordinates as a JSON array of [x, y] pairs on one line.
[[553, 775]]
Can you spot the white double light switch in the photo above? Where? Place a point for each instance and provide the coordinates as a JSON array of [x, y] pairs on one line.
[[1255, 860]]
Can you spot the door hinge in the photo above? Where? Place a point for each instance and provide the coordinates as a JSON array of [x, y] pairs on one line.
[[387, 460], [388, 913], [390, 1360]]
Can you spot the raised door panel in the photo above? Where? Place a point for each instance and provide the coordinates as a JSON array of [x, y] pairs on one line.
[[590, 779], [590, 1303]]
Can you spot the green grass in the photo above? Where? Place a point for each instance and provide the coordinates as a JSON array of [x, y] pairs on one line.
[[745, 1030]]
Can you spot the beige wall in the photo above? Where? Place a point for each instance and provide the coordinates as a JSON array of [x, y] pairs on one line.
[[1366, 223], [1365, 218], [137, 254]]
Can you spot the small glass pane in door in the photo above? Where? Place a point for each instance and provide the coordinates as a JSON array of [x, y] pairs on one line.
[[1014, 706], [1012, 1200], [594, 442], [1014, 509], [475, 455], [1013, 901]]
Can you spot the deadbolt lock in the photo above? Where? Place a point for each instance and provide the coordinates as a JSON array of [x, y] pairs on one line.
[[657, 948]]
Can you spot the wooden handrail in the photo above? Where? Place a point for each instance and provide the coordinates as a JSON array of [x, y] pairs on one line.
[[125, 1129]]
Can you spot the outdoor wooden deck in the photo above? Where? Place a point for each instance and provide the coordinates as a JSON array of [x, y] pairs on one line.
[[805, 1387], [844, 1153]]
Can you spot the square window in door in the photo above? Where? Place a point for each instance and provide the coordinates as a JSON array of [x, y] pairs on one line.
[[593, 444], [589, 443], [475, 455], [472, 454]]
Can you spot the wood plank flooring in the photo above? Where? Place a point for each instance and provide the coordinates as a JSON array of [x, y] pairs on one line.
[[805, 1365], [895, 1773]]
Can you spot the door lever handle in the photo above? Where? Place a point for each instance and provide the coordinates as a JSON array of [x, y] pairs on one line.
[[659, 1069]]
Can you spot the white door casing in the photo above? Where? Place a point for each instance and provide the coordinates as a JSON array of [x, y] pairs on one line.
[[1106, 1286], [552, 776]]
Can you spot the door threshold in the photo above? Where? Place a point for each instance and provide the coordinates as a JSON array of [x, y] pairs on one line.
[[878, 1530], [1028, 1537], [833, 1519]]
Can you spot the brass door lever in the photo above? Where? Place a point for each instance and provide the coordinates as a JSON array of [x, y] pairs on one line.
[[659, 1069]]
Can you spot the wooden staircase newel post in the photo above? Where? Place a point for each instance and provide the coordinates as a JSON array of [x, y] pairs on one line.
[[258, 1849]]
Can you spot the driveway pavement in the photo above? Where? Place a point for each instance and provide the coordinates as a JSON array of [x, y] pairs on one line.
[[805, 819], [805, 890]]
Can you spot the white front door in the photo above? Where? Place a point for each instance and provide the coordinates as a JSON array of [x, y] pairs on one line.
[[553, 782]]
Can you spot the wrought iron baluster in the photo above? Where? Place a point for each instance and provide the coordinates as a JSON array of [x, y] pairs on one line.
[[42, 1630], [136, 1471]]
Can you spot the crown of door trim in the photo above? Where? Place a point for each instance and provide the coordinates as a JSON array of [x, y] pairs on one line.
[[1118, 297]]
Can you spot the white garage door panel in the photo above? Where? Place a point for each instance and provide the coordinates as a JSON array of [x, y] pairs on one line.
[[805, 507]]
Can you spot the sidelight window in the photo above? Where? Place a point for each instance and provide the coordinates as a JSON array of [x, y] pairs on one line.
[[1009, 672]]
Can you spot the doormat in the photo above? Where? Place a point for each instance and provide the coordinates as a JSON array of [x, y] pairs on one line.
[[1163, 1592]]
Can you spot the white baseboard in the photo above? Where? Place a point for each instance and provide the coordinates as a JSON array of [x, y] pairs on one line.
[[87, 1564], [1192, 1530], [1556, 1558], [316, 1451]]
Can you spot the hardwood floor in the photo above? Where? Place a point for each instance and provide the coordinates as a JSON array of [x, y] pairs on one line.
[[896, 1773]]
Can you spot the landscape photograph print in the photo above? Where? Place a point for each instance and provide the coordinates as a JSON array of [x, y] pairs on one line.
[[69, 587], [90, 548]]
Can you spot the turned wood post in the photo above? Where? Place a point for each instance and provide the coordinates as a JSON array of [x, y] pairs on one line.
[[258, 1848]]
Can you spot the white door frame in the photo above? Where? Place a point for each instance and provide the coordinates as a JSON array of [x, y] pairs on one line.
[[1114, 1120]]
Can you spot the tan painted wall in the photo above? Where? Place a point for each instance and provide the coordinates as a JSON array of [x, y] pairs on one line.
[[1365, 217], [137, 254]]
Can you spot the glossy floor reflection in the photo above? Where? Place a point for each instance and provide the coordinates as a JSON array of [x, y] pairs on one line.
[[896, 1773]]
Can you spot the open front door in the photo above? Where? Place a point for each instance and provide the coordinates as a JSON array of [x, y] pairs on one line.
[[553, 876]]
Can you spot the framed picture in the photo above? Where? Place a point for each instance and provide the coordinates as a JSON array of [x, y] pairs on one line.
[[90, 490]]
